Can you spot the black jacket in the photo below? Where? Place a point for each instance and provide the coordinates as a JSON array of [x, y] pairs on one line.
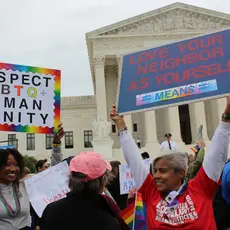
[[79, 212], [114, 189]]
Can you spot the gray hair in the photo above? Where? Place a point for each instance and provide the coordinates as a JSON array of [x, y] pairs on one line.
[[176, 160], [77, 184]]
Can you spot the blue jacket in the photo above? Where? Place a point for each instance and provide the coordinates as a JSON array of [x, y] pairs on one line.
[[226, 182]]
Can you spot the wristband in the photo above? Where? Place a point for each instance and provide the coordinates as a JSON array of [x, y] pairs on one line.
[[226, 116], [56, 145], [121, 130]]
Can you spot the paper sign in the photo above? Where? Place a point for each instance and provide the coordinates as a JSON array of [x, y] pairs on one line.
[[48, 186], [7, 147], [199, 133], [187, 71], [30, 99], [126, 177]]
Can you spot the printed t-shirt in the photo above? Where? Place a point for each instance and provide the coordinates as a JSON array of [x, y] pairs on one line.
[[194, 210]]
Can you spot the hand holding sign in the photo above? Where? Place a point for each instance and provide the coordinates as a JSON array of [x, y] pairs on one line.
[[201, 143], [118, 120], [59, 135], [132, 193]]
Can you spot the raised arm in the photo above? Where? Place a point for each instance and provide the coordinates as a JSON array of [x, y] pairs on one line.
[[56, 154], [216, 156], [194, 166], [130, 149]]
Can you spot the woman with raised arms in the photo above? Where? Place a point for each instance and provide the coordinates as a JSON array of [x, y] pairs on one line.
[[172, 202]]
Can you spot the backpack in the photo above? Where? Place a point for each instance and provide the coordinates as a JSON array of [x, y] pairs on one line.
[[221, 209]]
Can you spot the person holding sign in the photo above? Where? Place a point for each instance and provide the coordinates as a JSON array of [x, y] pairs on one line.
[[56, 157], [171, 201], [14, 200]]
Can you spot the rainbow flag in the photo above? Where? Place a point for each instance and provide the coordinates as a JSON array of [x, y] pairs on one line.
[[128, 215], [140, 214], [195, 149], [135, 214]]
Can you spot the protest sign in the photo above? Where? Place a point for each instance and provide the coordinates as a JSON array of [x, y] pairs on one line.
[[7, 147], [178, 73], [126, 177], [199, 133], [30, 99], [48, 186]]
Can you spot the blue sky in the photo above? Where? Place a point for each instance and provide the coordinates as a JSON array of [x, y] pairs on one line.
[[51, 33]]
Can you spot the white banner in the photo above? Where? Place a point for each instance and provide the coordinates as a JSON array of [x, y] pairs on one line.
[[48, 186], [126, 177]]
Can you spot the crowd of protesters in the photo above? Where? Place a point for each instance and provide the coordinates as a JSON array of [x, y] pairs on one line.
[[180, 190]]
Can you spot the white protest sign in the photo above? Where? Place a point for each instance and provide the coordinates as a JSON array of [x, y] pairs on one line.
[[126, 177], [30, 98], [48, 186]]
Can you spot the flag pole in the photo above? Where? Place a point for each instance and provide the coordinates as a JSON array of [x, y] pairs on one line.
[[134, 213]]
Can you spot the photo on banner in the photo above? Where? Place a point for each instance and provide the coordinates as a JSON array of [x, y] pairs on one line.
[[178, 73], [30, 99]]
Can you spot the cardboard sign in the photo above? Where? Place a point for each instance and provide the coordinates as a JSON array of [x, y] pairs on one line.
[[48, 186], [179, 73], [30, 99], [127, 181]]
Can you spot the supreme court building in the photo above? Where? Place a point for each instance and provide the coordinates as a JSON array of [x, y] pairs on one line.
[[105, 49], [158, 27]]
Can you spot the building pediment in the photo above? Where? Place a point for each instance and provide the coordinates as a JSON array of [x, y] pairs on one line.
[[172, 21], [177, 17], [77, 101]]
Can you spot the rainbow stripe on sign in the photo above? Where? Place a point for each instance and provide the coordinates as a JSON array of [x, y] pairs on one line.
[[177, 92], [57, 93]]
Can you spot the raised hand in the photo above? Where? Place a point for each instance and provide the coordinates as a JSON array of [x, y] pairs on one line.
[[132, 193], [59, 135], [118, 120], [201, 143]]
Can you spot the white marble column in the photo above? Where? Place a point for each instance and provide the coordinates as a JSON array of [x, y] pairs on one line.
[[101, 143], [197, 118], [173, 121], [151, 143], [119, 65], [221, 104], [99, 69], [215, 108], [128, 117]]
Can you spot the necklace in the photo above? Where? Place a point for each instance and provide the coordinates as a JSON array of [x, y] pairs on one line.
[[171, 199], [9, 209]]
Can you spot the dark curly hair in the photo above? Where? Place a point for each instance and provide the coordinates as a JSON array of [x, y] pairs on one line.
[[4, 154]]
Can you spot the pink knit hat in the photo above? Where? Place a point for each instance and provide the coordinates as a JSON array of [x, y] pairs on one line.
[[91, 164]]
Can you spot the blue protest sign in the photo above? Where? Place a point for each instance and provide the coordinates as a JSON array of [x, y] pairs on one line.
[[179, 73], [6, 147]]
